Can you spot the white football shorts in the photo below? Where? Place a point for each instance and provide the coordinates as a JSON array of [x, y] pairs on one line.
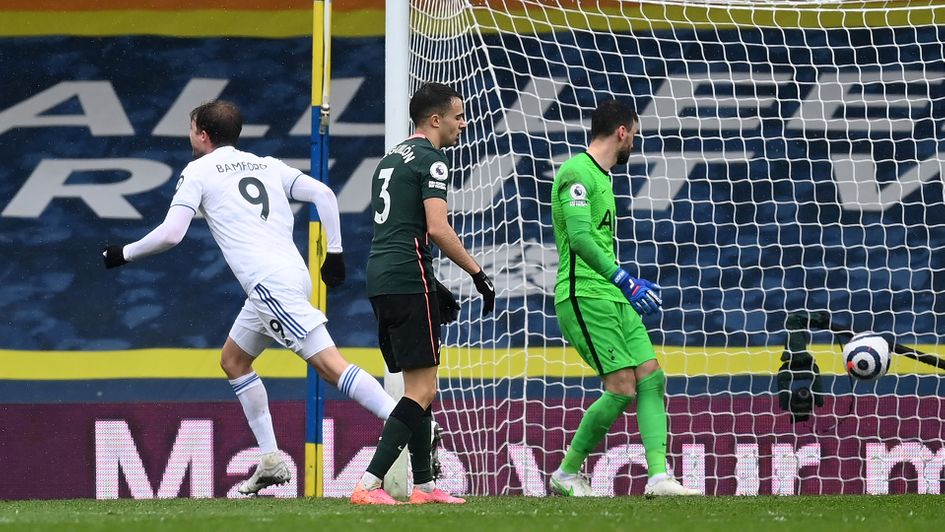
[[278, 308]]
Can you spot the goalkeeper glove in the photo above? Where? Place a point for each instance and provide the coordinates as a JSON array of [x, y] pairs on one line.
[[641, 294], [114, 256], [333, 269], [484, 287], [449, 308]]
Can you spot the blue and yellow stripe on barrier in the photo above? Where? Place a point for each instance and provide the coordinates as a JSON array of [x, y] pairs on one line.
[[365, 18], [614, 16], [195, 18]]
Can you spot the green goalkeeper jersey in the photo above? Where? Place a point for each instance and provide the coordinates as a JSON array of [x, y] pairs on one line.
[[584, 215]]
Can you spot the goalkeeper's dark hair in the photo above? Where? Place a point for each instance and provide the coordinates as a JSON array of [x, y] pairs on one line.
[[222, 121], [609, 116], [430, 99]]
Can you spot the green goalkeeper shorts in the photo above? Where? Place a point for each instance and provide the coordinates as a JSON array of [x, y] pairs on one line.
[[609, 336]]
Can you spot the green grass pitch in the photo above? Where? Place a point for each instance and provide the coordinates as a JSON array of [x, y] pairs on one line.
[[898, 513]]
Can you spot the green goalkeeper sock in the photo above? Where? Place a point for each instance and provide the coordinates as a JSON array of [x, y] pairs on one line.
[[594, 426], [651, 417]]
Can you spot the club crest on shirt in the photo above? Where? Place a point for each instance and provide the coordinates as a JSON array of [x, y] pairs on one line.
[[439, 171]]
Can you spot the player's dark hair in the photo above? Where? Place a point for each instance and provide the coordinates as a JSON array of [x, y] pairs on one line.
[[610, 115], [222, 121], [431, 98]]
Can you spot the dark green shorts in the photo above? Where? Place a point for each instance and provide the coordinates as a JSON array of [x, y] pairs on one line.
[[609, 336]]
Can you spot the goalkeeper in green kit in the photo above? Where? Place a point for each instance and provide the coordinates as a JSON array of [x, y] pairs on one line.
[[599, 306]]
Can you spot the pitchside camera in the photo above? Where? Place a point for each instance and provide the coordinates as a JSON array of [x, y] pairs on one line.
[[799, 385], [866, 357]]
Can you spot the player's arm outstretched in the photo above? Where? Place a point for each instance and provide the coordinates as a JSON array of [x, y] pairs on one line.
[[310, 190], [443, 235], [160, 239], [642, 294]]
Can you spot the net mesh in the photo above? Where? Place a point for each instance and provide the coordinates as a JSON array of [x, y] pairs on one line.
[[788, 165]]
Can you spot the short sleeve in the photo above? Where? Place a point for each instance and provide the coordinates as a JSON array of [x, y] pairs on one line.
[[434, 177], [188, 192]]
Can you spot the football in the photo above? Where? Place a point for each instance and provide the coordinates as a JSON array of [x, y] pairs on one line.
[[866, 356]]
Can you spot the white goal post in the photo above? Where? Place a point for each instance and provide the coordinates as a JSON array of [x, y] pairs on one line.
[[396, 129], [789, 164]]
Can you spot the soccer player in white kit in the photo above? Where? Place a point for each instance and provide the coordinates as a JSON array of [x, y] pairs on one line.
[[245, 200]]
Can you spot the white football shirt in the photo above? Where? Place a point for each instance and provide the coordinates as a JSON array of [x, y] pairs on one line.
[[244, 199]]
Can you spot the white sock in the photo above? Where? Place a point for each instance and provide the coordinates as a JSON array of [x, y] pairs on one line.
[[363, 388], [252, 395], [656, 478], [427, 487], [370, 482]]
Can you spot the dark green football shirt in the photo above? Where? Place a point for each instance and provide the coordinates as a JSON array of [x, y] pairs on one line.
[[400, 261]]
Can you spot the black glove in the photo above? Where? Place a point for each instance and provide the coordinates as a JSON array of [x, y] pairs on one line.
[[484, 286], [114, 256], [449, 308], [333, 269]]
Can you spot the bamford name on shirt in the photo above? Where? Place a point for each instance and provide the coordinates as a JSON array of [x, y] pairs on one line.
[[239, 167]]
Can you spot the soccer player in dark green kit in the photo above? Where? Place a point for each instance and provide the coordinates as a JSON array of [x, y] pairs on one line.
[[599, 305], [408, 198]]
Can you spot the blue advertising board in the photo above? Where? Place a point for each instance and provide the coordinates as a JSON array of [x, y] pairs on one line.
[[749, 196]]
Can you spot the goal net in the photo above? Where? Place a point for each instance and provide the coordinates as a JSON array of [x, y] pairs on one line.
[[787, 178]]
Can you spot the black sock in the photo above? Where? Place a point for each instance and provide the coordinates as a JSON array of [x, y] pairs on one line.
[[403, 421], [420, 446]]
